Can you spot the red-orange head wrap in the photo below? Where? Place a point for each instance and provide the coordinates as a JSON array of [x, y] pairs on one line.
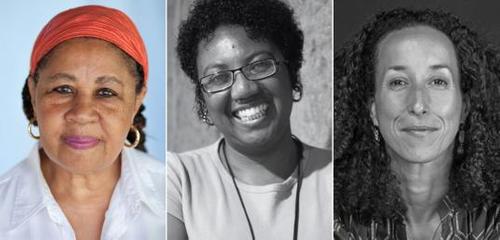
[[99, 22]]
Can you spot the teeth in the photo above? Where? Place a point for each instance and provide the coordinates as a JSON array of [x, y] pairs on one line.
[[252, 113]]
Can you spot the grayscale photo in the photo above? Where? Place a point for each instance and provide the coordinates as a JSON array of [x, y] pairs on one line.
[[249, 119], [416, 120]]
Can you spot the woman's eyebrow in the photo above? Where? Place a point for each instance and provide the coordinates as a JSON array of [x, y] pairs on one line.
[[397, 68], [58, 76], [250, 58], [433, 67], [219, 66], [440, 66], [106, 79], [265, 53]]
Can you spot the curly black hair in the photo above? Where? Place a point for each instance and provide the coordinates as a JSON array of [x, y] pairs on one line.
[[364, 184], [270, 20], [134, 67]]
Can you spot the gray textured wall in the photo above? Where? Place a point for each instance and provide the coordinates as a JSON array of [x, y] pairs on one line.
[[311, 117]]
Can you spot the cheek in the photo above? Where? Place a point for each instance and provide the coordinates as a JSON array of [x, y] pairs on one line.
[[50, 121], [48, 114], [284, 91], [449, 106], [217, 103], [280, 88], [283, 82], [115, 108], [116, 118], [115, 132], [389, 105]]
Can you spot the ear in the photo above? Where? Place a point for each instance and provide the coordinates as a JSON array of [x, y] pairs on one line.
[[465, 108], [373, 112], [31, 89], [139, 99]]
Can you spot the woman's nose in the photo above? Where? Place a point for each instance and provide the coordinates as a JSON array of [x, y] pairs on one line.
[[82, 110], [242, 87], [418, 104]]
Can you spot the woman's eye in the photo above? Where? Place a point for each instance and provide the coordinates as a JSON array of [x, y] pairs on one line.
[[63, 89], [106, 92], [260, 66], [439, 83], [397, 84]]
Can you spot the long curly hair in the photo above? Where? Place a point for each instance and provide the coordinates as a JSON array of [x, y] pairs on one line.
[[270, 20], [365, 186]]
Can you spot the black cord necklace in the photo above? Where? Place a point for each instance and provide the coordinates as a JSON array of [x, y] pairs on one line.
[[297, 194]]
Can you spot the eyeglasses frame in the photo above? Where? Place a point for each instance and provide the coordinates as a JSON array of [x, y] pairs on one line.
[[233, 73]]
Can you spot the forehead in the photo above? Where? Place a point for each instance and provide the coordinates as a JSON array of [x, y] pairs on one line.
[[229, 41], [87, 50], [415, 43]]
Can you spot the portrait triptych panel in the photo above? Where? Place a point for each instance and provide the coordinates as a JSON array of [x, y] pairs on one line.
[[167, 119]]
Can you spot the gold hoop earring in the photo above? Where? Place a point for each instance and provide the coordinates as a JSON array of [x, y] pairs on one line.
[[137, 138], [30, 129]]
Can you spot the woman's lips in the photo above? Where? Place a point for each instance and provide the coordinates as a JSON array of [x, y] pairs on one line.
[[81, 142], [419, 130]]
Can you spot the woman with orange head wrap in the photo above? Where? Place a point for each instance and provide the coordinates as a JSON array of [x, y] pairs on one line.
[[84, 179]]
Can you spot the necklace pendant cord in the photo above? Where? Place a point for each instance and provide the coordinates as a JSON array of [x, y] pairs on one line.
[[297, 200], [297, 193]]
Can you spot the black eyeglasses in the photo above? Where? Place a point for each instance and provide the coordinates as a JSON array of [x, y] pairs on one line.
[[253, 71]]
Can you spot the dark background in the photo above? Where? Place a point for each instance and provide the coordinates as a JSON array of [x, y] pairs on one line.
[[482, 16]]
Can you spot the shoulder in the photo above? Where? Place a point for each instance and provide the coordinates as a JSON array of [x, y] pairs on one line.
[[20, 170], [318, 154], [193, 167], [485, 220], [318, 159], [147, 175], [15, 185], [150, 171], [201, 158], [189, 172], [200, 153], [146, 161]]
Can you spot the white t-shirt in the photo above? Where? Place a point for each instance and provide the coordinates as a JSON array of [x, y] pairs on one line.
[[200, 193], [28, 209]]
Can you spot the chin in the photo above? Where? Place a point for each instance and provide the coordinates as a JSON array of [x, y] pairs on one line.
[[421, 156], [253, 140], [419, 159]]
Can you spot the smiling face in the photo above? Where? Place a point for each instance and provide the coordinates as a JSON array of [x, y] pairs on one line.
[[84, 102], [418, 102], [252, 115]]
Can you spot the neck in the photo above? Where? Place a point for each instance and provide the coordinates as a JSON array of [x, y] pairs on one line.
[[266, 167], [80, 191], [423, 186]]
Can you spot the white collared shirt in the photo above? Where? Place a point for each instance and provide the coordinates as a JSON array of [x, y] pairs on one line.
[[28, 209]]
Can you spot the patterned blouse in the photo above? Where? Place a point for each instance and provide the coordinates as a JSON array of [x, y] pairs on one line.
[[481, 223]]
